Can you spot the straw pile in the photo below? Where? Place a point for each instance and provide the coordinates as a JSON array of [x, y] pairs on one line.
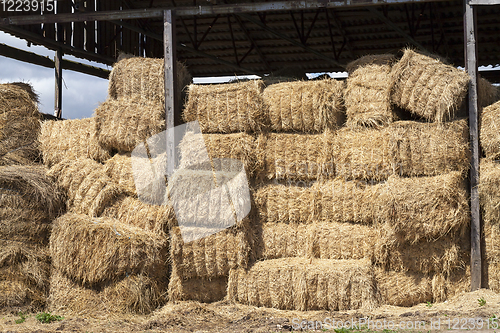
[[323, 240], [24, 275], [487, 93], [133, 294], [405, 148], [19, 124], [305, 106], [102, 250], [367, 93], [144, 77], [425, 207], [296, 156], [427, 87], [226, 152], [302, 284], [121, 124], [490, 130], [209, 257], [226, 108], [70, 139], [133, 212], [88, 189], [196, 289]]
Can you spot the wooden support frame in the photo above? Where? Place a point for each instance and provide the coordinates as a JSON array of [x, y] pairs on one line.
[[470, 48], [170, 87], [58, 86]]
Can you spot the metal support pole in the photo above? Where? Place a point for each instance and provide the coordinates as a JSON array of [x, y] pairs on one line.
[[58, 92], [170, 86], [471, 67]]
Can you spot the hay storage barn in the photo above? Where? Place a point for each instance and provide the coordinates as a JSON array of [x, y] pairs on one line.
[[401, 182]]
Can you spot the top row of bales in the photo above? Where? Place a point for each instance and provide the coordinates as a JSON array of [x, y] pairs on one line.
[[376, 88]]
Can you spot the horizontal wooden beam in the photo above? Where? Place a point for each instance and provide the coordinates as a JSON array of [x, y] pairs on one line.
[[35, 59], [196, 10], [484, 2]]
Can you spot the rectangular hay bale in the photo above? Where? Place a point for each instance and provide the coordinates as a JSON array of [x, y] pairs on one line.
[[101, 250], [406, 148], [302, 284], [205, 290], [227, 108], [305, 106], [490, 130], [427, 87], [87, 187], [296, 156], [403, 288], [122, 124], [70, 139], [367, 94], [135, 294]]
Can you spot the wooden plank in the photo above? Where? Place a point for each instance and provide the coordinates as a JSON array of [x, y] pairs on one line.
[[58, 86], [169, 44], [64, 7], [471, 67], [251, 7], [90, 41]]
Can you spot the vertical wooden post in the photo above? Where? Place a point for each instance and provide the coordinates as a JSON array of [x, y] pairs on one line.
[[58, 92], [471, 68], [170, 86]]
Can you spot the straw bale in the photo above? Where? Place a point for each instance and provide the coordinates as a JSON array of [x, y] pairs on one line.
[[226, 152], [427, 87], [406, 148], [22, 224], [144, 77], [443, 256], [205, 290], [227, 108], [489, 190], [87, 187], [287, 204], [444, 288], [19, 124], [345, 201], [487, 93], [403, 288], [208, 199], [30, 187], [425, 207], [70, 139], [492, 241], [121, 124], [211, 256], [133, 212], [100, 250], [304, 284], [370, 60], [136, 294], [367, 97], [296, 156], [490, 130], [20, 295], [323, 240], [305, 106], [119, 169], [493, 275]]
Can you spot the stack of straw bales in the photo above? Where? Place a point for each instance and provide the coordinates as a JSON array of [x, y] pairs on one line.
[[489, 191], [110, 251], [29, 201], [19, 124], [367, 95]]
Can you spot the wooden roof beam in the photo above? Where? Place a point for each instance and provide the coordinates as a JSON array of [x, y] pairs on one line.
[[252, 7], [397, 29]]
